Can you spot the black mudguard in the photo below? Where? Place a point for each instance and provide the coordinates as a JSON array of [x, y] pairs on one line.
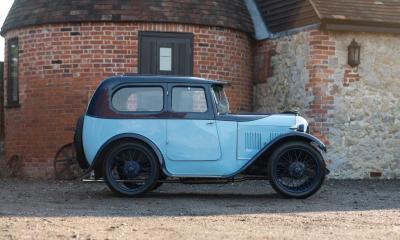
[[80, 154], [297, 136], [268, 149]]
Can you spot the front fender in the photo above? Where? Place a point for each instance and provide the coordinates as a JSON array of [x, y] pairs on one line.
[[268, 149], [292, 136]]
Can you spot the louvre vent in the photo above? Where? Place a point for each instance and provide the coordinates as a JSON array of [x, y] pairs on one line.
[[252, 141], [275, 134]]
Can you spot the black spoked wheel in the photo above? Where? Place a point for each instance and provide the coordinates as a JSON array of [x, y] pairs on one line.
[[130, 169], [66, 166], [297, 170]]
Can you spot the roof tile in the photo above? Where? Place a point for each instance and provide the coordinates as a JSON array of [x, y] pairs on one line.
[[222, 13], [369, 11]]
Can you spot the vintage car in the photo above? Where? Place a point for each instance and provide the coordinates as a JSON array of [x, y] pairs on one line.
[[142, 131]]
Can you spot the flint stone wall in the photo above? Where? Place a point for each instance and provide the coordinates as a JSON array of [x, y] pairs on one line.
[[355, 110]]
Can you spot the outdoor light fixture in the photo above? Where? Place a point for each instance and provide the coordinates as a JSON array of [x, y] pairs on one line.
[[354, 54]]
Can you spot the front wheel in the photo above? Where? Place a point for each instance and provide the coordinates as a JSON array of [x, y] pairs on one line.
[[130, 169], [296, 170]]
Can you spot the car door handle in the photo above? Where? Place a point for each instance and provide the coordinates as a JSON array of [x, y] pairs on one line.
[[210, 123]]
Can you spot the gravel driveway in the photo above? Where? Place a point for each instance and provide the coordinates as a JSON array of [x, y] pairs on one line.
[[250, 210]]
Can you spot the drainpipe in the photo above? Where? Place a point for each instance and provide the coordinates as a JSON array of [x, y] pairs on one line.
[[260, 29]]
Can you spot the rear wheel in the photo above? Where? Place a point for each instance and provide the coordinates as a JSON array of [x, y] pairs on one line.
[[130, 169], [296, 170]]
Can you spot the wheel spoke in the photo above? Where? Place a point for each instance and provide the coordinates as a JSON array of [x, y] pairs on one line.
[[296, 170], [131, 168]]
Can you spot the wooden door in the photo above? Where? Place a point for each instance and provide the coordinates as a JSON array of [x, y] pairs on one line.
[[166, 53]]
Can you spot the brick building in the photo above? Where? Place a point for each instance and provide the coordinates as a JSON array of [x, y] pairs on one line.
[[278, 55]]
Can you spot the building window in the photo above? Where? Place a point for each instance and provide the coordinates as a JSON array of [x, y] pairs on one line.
[[139, 99], [12, 82], [189, 100], [166, 59]]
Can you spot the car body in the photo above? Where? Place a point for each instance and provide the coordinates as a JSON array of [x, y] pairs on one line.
[[185, 125]]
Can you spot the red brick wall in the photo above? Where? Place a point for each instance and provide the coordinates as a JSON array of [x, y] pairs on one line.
[[61, 64], [320, 73]]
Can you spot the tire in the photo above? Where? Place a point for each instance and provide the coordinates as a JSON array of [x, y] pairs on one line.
[[296, 170], [130, 161]]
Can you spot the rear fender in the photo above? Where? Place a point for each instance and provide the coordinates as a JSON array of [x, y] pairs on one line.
[[97, 163]]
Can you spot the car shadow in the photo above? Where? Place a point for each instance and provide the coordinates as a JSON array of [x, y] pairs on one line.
[[66, 199]]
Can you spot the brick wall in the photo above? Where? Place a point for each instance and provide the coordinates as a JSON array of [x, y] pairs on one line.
[[60, 65], [322, 48]]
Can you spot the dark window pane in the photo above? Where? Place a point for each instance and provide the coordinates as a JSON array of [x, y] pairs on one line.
[[13, 59], [139, 99], [189, 99]]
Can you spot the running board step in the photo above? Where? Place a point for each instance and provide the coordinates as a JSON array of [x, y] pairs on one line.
[[188, 180]]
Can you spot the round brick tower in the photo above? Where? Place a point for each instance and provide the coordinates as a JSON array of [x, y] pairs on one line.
[[58, 51]]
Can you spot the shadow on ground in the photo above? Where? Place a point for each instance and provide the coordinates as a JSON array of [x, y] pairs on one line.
[[61, 199]]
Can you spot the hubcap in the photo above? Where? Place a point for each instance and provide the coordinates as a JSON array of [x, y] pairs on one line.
[[296, 169], [131, 169]]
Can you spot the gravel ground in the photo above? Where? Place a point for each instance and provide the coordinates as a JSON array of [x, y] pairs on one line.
[[249, 210]]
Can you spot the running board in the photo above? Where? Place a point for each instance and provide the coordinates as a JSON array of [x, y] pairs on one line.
[[188, 180]]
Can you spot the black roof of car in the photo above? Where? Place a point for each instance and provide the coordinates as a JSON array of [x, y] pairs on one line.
[[158, 79]]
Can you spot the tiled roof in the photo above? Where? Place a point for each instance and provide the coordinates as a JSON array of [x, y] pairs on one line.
[[223, 13], [351, 15], [371, 11]]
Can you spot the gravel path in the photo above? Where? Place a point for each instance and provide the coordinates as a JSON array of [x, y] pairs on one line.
[[250, 210]]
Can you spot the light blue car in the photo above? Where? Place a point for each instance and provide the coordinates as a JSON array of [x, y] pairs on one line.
[[142, 131]]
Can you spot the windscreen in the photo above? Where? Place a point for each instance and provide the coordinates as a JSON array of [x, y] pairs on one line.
[[221, 100]]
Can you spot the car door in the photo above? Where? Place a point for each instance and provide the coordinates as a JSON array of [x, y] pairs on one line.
[[191, 130]]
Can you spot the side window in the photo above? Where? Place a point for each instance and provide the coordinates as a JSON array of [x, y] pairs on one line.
[[189, 100], [12, 81], [139, 99]]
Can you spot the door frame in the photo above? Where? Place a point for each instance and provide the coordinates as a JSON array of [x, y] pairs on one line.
[[156, 34]]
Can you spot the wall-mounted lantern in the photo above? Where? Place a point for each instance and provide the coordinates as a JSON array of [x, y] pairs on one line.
[[354, 50]]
